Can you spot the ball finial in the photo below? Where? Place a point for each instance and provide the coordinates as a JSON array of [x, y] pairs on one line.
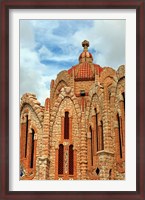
[[85, 44]]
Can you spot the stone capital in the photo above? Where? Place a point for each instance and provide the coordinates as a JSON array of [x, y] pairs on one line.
[[43, 160]]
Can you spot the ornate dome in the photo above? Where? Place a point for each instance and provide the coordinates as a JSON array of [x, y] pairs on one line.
[[86, 69], [85, 55]]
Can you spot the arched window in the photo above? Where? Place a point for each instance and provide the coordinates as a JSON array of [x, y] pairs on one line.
[[26, 139], [71, 160], [60, 159], [123, 120], [66, 125], [97, 138], [91, 145], [119, 135], [123, 94], [32, 149], [101, 136]]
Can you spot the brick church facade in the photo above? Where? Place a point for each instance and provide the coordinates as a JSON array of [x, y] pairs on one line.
[[79, 134]]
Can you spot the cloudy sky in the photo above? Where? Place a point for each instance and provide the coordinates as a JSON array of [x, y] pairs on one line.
[[49, 46]]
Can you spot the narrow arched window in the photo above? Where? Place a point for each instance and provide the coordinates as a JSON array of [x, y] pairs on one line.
[[119, 134], [102, 136], [26, 138], [97, 138], [123, 94], [32, 149], [66, 125], [71, 160], [60, 159], [91, 145]]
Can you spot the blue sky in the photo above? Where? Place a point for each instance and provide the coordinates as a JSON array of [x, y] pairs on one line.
[[50, 46]]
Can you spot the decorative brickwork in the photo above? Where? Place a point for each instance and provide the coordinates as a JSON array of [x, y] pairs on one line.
[[79, 134]]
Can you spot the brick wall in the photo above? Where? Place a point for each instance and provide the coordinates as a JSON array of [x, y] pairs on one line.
[[104, 98]]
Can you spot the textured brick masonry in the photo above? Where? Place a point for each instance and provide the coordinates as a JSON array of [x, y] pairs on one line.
[[94, 97]]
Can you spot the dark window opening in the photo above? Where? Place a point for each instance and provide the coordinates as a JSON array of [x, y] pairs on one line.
[[66, 125], [123, 94], [32, 150], [82, 93], [102, 136], [60, 159], [97, 171], [120, 145], [110, 173], [71, 160], [91, 145], [97, 140], [26, 140]]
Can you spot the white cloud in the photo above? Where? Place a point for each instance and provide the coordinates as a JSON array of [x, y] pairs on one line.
[[45, 53], [108, 38], [57, 42]]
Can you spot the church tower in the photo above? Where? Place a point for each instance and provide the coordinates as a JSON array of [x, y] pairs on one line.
[[80, 132]]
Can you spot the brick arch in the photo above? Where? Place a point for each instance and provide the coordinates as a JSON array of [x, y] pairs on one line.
[[31, 100], [94, 91], [121, 72], [34, 122], [62, 76], [65, 92], [120, 107], [97, 105], [107, 72], [27, 107], [57, 88], [120, 88], [112, 88]]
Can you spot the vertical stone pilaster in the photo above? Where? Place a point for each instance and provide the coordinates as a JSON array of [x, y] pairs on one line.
[[75, 164], [106, 122], [121, 105], [29, 147], [56, 163], [22, 139], [70, 129], [100, 136], [89, 150], [83, 152], [29, 144], [46, 136], [95, 135]]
